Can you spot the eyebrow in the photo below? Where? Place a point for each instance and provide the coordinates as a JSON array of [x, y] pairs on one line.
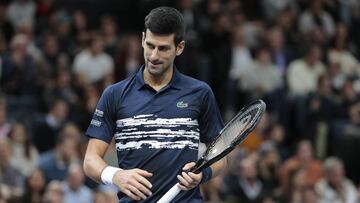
[[160, 46]]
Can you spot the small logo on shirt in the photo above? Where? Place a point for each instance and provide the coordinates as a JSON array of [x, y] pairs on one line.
[[99, 113], [95, 123], [181, 104]]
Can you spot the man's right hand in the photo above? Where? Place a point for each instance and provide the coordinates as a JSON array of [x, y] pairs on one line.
[[133, 183]]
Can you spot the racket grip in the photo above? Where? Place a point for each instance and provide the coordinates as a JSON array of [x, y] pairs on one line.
[[170, 195]]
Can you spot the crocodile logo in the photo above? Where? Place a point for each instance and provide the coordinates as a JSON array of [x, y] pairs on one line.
[[181, 104]]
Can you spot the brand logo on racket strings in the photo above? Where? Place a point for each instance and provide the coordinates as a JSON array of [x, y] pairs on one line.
[[181, 104]]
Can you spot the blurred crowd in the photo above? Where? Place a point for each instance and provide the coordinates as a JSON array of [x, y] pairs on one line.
[[300, 56]]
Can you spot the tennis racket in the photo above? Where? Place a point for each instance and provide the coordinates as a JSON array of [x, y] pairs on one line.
[[234, 132]]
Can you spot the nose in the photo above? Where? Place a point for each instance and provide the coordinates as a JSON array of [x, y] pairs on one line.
[[154, 55]]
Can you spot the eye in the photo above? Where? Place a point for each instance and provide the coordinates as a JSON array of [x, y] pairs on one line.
[[150, 46], [163, 48]]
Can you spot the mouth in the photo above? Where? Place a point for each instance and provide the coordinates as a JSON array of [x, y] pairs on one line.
[[154, 64]]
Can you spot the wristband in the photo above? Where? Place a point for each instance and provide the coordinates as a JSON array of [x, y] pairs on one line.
[[206, 175], [108, 173]]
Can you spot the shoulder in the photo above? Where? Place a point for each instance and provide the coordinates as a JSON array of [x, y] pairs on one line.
[[119, 86], [116, 90], [82, 55], [195, 84], [296, 63]]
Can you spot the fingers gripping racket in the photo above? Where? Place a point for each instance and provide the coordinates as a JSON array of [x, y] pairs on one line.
[[234, 132]]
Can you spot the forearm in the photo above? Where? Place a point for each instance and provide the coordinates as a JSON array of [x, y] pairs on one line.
[[93, 166], [94, 163]]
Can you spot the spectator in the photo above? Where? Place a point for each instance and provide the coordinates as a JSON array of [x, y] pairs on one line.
[[61, 25], [129, 58], [269, 165], [241, 59], [281, 54], [286, 21], [18, 68], [63, 88], [11, 180], [310, 196], [111, 39], [245, 186], [263, 77], [93, 65], [74, 188], [350, 105], [34, 187], [316, 18], [4, 125], [55, 163], [335, 187], [72, 132], [2, 199], [213, 190], [7, 29], [340, 54], [303, 159], [322, 109], [241, 62], [295, 186], [83, 114], [54, 193], [303, 73], [26, 27], [79, 22], [272, 8], [46, 132], [50, 62], [25, 156], [21, 9]]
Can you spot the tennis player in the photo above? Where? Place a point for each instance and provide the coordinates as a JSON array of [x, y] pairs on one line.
[[157, 117]]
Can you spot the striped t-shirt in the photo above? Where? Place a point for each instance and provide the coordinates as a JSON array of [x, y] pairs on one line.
[[157, 131]]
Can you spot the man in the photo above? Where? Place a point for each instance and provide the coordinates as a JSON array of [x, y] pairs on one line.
[[4, 124], [157, 118], [335, 187], [55, 163], [11, 179], [45, 133], [244, 184], [74, 188]]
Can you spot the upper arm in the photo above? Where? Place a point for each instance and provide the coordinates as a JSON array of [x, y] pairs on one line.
[[103, 121], [210, 120]]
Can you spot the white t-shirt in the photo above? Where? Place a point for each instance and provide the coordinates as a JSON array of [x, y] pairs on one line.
[[302, 78], [93, 67]]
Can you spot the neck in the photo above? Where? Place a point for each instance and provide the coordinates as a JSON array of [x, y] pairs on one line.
[[158, 81]]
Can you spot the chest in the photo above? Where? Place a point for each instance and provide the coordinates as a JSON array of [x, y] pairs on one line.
[[170, 104]]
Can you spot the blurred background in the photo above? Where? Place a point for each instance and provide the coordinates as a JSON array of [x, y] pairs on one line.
[[300, 56]]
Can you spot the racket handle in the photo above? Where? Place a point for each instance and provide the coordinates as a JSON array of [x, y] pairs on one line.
[[170, 195]]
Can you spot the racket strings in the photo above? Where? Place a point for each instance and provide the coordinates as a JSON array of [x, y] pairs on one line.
[[234, 131]]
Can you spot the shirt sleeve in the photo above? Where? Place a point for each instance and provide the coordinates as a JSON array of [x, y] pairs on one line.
[[210, 120], [102, 125]]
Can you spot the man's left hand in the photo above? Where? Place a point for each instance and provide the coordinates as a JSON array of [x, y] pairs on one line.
[[189, 180]]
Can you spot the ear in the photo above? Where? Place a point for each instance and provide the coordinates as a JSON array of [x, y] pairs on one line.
[[143, 39], [180, 48]]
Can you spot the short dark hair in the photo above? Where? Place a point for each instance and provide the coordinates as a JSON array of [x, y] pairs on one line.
[[166, 20]]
